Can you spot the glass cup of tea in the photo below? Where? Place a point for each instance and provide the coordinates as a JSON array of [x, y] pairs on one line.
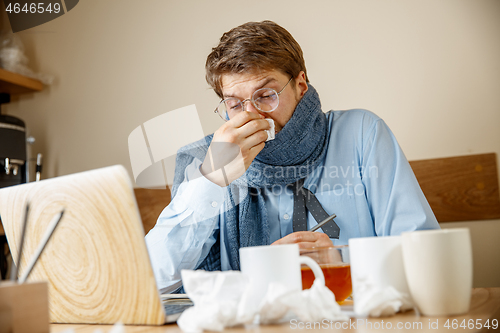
[[335, 264]]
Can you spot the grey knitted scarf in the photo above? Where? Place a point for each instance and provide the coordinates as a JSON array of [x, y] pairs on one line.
[[295, 152]]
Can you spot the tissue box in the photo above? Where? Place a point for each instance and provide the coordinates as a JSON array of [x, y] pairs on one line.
[[24, 307]]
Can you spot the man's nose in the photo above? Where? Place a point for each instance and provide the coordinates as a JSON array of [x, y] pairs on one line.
[[248, 106]]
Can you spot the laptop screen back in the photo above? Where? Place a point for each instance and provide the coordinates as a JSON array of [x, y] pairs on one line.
[[96, 263]]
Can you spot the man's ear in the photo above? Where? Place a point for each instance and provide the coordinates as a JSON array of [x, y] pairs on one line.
[[301, 84]]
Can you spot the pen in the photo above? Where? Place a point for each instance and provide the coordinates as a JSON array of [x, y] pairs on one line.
[[13, 273], [322, 223], [46, 237]]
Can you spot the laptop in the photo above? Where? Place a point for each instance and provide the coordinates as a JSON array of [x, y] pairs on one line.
[[96, 263]]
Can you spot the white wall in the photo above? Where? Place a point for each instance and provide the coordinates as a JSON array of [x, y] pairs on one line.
[[430, 68]]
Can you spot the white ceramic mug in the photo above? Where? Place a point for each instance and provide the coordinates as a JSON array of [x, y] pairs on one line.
[[376, 265], [274, 264], [438, 265]]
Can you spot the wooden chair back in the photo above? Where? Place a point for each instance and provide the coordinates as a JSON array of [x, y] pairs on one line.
[[463, 188]]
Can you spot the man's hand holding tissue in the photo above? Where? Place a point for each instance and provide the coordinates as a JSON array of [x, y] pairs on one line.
[[306, 239], [234, 146]]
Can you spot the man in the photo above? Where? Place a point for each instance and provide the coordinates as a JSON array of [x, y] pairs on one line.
[[346, 163]]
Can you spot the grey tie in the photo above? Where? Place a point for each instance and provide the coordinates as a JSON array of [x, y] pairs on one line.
[[303, 201]]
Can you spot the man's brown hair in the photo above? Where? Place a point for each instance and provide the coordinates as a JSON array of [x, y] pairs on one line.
[[251, 47]]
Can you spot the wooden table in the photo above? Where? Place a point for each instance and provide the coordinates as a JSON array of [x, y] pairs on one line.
[[485, 306]]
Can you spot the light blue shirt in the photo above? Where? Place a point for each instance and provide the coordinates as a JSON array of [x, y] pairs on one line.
[[365, 180]]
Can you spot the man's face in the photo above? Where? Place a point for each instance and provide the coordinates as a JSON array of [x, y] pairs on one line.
[[242, 86]]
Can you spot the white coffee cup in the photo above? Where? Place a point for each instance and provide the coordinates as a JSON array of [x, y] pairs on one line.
[[265, 265], [376, 265], [438, 265]]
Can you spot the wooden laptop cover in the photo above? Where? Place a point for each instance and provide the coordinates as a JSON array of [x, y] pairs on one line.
[[96, 263]]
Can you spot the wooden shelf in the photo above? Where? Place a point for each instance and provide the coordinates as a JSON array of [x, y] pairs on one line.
[[13, 83]]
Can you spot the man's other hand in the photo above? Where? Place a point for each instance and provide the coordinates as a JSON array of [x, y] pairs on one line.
[[306, 239]]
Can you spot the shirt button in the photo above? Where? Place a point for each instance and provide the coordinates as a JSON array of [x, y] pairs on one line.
[[286, 216], [214, 204]]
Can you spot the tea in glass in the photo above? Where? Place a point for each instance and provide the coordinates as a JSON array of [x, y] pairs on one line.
[[334, 262]]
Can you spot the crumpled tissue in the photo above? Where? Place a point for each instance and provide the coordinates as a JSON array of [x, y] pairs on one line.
[[379, 302], [221, 300]]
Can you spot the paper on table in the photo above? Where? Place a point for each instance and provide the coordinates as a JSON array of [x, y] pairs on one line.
[[221, 300], [379, 302], [310, 305], [378, 276], [173, 296], [217, 298]]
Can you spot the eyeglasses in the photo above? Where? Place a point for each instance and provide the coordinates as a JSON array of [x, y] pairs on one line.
[[264, 99]]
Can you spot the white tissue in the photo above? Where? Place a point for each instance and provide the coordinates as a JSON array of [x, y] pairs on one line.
[[310, 305], [220, 300], [216, 296], [379, 302], [270, 132], [379, 284]]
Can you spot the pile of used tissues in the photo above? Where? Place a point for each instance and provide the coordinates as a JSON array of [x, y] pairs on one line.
[[221, 299]]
